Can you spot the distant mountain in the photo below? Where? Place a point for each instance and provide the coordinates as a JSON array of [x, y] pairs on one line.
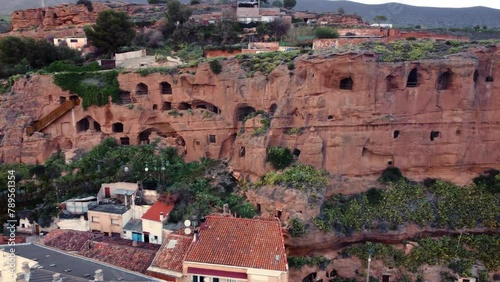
[[398, 14], [405, 15]]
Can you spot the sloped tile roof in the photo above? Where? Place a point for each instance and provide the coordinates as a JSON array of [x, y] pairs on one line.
[[172, 252], [251, 243], [135, 259], [153, 212], [67, 240]]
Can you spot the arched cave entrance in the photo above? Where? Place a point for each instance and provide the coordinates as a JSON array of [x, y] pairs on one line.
[[391, 83], [167, 106], [125, 141], [97, 126], [244, 111], [184, 106], [82, 125], [207, 106], [296, 152], [412, 78], [155, 107], [125, 97], [489, 78], [273, 108], [141, 89], [346, 83], [118, 127], [444, 81], [166, 88]]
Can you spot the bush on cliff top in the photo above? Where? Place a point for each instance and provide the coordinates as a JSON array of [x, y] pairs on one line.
[[279, 157], [93, 87], [299, 176], [265, 62]]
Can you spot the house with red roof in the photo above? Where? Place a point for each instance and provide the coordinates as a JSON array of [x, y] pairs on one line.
[[224, 249], [150, 227]]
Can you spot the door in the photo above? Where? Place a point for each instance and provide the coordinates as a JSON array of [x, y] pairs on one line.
[[137, 236], [107, 193], [146, 238]]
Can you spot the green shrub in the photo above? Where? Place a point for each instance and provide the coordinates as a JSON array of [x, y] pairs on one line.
[[374, 196], [215, 66], [279, 157], [326, 32], [291, 65], [294, 131], [297, 228], [411, 38], [299, 262], [161, 70], [62, 66]]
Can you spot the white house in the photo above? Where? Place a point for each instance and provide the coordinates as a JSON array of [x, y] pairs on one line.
[[72, 42], [125, 192], [153, 220], [79, 206]]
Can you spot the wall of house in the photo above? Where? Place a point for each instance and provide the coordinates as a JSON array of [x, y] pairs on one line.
[[253, 274], [155, 229], [25, 226], [79, 224], [129, 55], [78, 207], [221, 53], [139, 211], [104, 221], [113, 187], [72, 42]]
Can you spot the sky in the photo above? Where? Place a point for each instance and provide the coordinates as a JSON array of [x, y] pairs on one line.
[[439, 3]]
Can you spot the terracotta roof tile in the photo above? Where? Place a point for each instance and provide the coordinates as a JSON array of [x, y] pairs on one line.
[[153, 212], [67, 240], [172, 252], [241, 242]]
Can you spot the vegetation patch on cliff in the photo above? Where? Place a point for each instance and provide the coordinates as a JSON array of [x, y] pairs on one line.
[[442, 205], [93, 87], [459, 254], [299, 176], [266, 62]]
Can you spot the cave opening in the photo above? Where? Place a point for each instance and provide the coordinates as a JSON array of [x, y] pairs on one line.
[[141, 89], [489, 78], [243, 112], [117, 127], [444, 81], [412, 78], [167, 106], [395, 134], [82, 125], [346, 83], [166, 88], [391, 83], [434, 135]]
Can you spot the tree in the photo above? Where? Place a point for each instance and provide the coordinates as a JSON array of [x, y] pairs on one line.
[[279, 157], [86, 3], [177, 12], [379, 19], [340, 11], [277, 3], [111, 31], [289, 4], [326, 32], [278, 27]]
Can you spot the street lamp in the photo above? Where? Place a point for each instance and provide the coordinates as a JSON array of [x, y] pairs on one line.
[[370, 252]]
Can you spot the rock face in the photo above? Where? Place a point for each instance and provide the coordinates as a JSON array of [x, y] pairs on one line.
[[431, 118]]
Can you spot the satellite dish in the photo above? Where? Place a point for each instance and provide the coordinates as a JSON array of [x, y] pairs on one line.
[[187, 231], [187, 223]]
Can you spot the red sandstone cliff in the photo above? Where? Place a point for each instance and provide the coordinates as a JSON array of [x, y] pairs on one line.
[[356, 132]]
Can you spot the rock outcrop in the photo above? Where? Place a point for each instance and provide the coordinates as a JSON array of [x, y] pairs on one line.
[[431, 118]]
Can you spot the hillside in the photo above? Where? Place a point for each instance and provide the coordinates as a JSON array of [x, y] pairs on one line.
[[401, 15]]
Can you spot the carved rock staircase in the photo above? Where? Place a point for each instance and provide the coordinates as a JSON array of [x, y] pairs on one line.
[[52, 116]]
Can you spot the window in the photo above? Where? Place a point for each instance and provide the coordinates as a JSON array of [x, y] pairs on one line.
[[211, 138], [166, 88], [231, 280], [22, 225], [73, 40], [395, 134], [197, 278], [215, 279], [115, 222], [95, 219], [156, 238]]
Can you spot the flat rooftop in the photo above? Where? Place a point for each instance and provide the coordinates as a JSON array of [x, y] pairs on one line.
[[70, 265], [109, 208]]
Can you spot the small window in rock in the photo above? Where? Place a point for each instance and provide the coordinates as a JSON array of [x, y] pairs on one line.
[[259, 208], [346, 84], [118, 127], [412, 79], [389, 163], [434, 134], [167, 106], [396, 134], [62, 99], [296, 152], [125, 141], [211, 138], [489, 78], [155, 107], [141, 89], [279, 213], [330, 117], [273, 109], [197, 142], [476, 76], [458, 132], [242, 151], [184, 106], [444, 81]]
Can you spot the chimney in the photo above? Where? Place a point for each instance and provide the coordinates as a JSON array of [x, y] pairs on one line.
[[161, 216], [26, 270], [98, 275], [56, 277], [195, 237], [203, 223]]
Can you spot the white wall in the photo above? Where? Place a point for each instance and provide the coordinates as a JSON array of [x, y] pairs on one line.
[[79, 224], [78, 207], [120, 57], [155, 229], [78, 43]]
